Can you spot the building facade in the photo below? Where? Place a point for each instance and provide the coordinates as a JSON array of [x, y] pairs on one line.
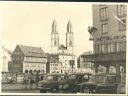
[[63, 63], [84, 64], [109, 37], [6, 59], [28, 58]]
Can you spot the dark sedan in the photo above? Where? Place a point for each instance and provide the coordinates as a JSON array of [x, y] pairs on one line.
[[51, 82], [100, 83]]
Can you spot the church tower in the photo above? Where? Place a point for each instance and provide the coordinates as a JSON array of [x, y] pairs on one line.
[[69, 38], [54, 38]]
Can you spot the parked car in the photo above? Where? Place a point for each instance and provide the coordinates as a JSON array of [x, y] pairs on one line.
[[51, 82], [100, 83], [122, 86], [62, 83], [73, 80]]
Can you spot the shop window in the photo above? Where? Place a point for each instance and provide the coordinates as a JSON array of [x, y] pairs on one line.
[[110, 48], [101, 48], [118, 47]]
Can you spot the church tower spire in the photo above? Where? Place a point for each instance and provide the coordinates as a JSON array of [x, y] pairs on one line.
[[69, 38], [69, 26], [54, 38], [54, 26]]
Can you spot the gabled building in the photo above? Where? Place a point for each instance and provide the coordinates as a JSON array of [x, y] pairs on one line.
[[28, 58]]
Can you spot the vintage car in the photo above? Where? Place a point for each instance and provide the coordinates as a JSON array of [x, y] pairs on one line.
[[51, 82], [100, 83], [62, 83], [73, 80], [122, 85]]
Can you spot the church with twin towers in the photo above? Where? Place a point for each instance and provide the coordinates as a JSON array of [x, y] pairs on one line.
[[56, 47]]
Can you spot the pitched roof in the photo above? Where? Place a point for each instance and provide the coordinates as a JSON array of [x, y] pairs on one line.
[[86, 53], [62, 47], [54, 58], [32, 51]]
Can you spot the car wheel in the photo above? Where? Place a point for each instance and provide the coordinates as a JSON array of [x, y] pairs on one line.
[[86, 90], [121, 89], [42, 91], [54, 90]]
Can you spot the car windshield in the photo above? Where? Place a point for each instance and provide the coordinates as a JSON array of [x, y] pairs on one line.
[[49, 78], [54, 77], [98, 79], [72, 77], [103, 79], [111, 79]]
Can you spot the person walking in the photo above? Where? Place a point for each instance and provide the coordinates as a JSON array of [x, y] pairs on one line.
[[31, 79], [36, 78], [26, 79]]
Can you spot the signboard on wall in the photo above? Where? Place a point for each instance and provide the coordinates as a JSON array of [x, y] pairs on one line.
[[72, 62], [105, 38]]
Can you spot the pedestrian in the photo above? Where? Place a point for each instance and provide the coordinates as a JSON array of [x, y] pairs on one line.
[[31, 79], [36, 78], [26, 79]]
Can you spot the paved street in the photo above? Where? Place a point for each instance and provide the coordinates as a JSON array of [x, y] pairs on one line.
[[18, 88]]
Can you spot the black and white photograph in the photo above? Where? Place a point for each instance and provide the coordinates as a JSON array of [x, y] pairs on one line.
[[63, 48]]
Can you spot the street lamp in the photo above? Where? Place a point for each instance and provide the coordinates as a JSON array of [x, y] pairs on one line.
[[91, 31]]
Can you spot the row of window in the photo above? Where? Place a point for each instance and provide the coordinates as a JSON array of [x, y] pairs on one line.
[[111, 47], [121, 11], [104, 27]]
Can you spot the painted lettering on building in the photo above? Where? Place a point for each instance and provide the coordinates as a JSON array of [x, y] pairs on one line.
[[105, 38]]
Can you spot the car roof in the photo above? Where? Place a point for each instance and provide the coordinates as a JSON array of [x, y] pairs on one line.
[[105, 74], [55, 74], [80, 74]]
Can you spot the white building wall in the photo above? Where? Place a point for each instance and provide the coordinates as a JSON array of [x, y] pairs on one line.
[[55, 67], [65, 60], [34, 66], [33, 63], [5, 59]]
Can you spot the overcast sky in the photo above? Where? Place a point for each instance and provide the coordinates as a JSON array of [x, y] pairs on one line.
[[29, 23]]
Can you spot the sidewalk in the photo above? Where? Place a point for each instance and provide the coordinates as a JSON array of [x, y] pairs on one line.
[[15, 87]]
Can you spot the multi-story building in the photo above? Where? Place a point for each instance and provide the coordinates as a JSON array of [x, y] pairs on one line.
[[109, 37], [28, 58]]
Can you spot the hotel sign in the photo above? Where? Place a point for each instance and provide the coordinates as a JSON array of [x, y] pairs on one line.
[[105, 38]]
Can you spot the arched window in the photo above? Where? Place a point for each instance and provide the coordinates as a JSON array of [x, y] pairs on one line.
[[70, 43]]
